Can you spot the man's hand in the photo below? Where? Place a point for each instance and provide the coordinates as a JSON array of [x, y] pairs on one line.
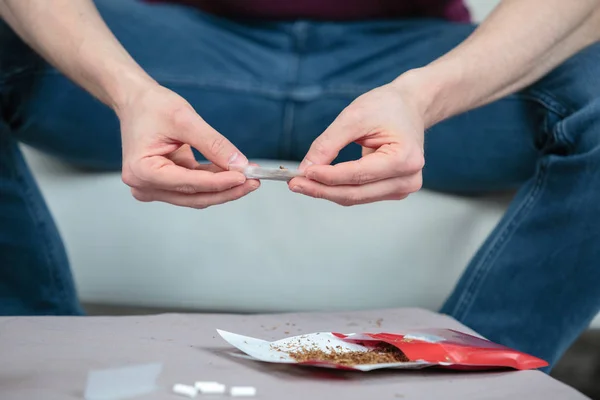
[[159, 128], [389, 125]]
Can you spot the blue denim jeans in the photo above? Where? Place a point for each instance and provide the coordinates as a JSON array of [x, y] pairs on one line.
[[271, 88]]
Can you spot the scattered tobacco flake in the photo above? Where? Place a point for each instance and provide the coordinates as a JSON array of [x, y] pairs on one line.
[[282, 167], [287, 332], [378, 322]]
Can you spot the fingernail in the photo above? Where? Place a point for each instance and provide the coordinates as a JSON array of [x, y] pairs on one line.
[[305, 164], [254, 186], [297, 189], [237, 159]]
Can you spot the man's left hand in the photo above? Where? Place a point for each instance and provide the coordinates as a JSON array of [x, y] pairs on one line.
[[389, 125]]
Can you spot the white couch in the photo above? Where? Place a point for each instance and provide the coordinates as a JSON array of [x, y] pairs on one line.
[[264, 252]]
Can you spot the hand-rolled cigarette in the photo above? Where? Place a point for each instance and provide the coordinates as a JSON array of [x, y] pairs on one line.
[[274, 174]]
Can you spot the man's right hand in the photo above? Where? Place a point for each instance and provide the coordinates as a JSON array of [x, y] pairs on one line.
[[158, 129], [157, 126]]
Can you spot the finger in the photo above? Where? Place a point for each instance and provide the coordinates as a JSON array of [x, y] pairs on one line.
[[200, 135], [209, 167], [325, 148], [160, 173], [347, 195], [388, 161], [198, 200], [367, 151], [184, 157]]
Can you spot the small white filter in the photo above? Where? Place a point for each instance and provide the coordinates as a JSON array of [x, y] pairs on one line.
[[185, 390], [210, 387], [243, 391]]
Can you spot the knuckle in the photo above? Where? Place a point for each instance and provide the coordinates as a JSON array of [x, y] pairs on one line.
[[319, 148], [318, 194], [219, 186], [398, 164], [325, 179], [359, 177], [416, 183], [186, 189], [128, 178], [415, 163], [217, 145], [200, 204], [410, 185], [353, 114], [351, 199], [142, 196], [181, 116], [346, 202], [216, 185], [399, 196]]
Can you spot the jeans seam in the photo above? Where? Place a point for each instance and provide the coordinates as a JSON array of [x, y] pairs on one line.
[[548, 101], [482, 269], [554, 106]]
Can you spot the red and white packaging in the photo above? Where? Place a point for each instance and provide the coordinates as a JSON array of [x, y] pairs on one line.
[[442, 348]]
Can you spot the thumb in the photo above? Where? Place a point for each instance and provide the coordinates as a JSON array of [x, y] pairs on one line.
[[193, 130], [327, 146]]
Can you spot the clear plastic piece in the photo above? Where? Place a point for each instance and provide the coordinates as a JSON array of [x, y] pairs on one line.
[[273, 174]]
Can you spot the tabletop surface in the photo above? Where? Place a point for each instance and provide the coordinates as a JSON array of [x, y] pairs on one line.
[[49, 358]]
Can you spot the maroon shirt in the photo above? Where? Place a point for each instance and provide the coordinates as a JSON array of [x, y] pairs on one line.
[[333, 10]]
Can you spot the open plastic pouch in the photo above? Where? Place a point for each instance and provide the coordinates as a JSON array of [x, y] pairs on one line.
[[443, 348]]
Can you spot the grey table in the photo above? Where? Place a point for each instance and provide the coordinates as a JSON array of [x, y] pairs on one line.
[[49, 358]]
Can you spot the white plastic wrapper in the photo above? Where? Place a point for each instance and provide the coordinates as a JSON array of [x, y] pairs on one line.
[[261, 350], [273, 174]]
